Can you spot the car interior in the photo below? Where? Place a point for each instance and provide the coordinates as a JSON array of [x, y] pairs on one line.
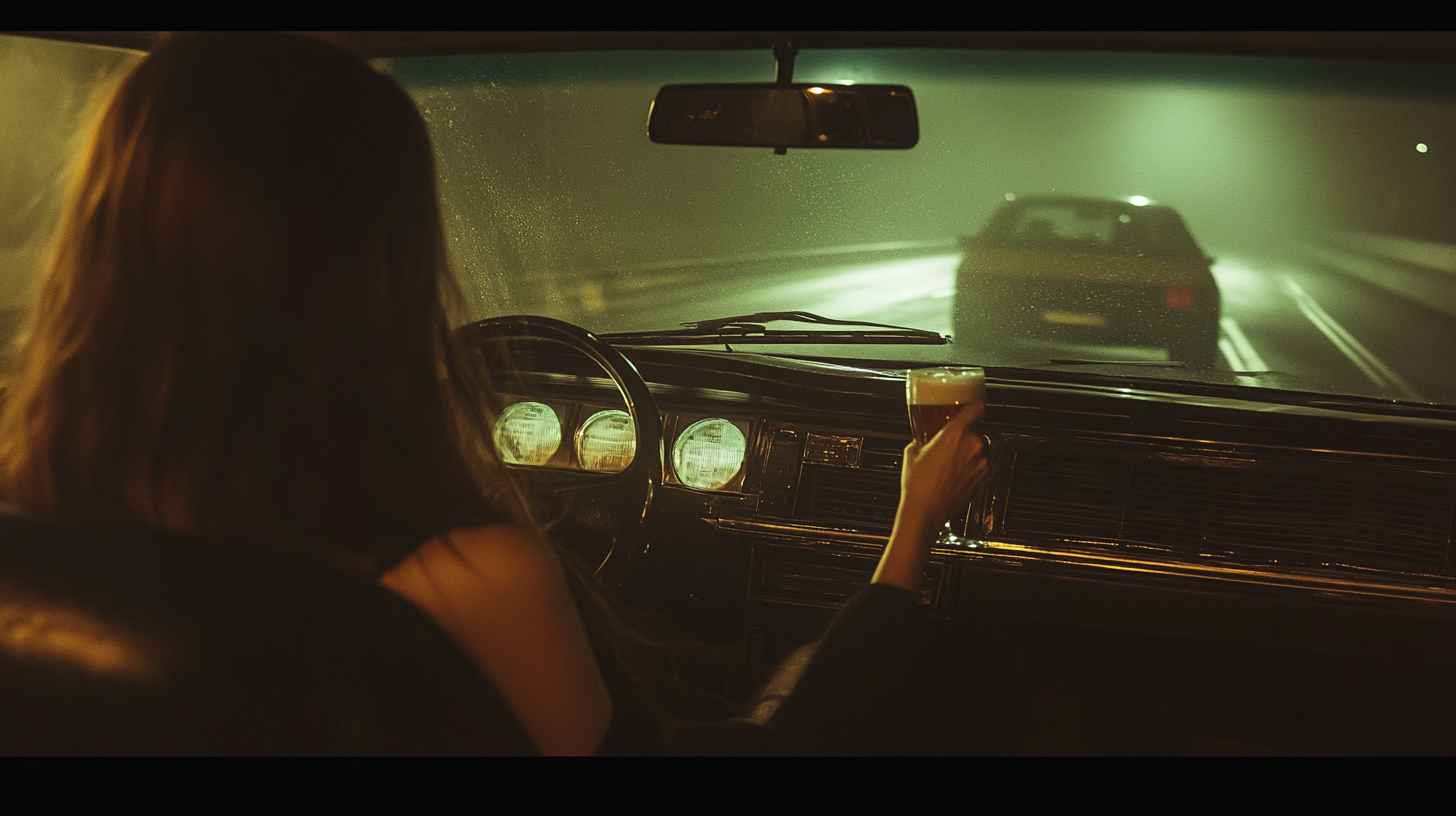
[[1242, 556]]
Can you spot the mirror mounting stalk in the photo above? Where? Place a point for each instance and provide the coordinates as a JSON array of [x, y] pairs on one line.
[[784, 54]]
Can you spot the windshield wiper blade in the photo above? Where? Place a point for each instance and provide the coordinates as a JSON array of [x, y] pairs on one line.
[[1150, 363], [801, 317], [751, 329]]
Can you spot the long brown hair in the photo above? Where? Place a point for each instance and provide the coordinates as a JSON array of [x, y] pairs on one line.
[[245, 332]]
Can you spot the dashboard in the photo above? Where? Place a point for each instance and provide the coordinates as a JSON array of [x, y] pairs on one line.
[[1115, 506]]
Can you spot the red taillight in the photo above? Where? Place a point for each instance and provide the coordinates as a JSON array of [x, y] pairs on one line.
[[1179, 297]]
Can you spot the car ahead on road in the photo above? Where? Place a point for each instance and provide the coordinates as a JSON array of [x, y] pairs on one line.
[[1169, 557], [1075, 273]]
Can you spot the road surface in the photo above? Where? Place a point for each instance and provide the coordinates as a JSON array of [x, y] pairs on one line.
[[1327, 318]]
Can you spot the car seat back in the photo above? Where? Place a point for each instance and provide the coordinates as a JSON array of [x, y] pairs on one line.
[[125, 641]]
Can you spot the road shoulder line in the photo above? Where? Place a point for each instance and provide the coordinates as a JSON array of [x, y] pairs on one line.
[[1373, 368]]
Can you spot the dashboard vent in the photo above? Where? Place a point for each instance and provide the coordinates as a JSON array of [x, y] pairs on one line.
[[1070, 498], [1247, 510], [856, 497], [882, 454]]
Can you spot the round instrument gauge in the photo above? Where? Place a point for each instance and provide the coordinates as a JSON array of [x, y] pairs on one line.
[[527, 433], [708, 454], [606, 442]]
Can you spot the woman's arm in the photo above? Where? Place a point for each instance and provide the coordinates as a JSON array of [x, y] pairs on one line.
[[502, 595], [937, 479], [853, 695]]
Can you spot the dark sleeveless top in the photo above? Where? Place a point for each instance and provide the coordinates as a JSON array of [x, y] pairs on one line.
[[846, 701]]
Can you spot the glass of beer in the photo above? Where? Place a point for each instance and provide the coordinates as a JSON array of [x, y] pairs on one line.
[[933, 396]]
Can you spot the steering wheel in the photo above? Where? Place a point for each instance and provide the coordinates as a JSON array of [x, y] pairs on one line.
[[611, 504]]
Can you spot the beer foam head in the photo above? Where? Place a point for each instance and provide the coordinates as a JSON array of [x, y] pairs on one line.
[[945, 386]]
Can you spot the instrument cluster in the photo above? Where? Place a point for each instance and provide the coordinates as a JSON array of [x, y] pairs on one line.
[[702, 452]]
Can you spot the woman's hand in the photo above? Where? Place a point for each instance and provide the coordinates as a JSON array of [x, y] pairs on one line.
[[938, 479]]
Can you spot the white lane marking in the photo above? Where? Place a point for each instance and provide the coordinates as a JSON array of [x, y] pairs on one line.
[[1378, 372], [1237, 348], [1235, 364]]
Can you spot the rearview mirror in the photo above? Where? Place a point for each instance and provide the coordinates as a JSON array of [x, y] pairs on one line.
[[865, 117]]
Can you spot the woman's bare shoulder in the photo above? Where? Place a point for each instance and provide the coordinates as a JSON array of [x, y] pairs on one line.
[[496, 553], [501, 593], [484, 583]]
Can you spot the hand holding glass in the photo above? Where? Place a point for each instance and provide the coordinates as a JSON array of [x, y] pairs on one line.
[[934, 396]]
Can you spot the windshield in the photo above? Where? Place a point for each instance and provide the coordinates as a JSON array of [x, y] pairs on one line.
[[1272, 222], [1275, 223]]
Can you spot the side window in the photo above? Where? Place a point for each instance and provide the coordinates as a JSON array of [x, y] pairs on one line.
[[50, 93]]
